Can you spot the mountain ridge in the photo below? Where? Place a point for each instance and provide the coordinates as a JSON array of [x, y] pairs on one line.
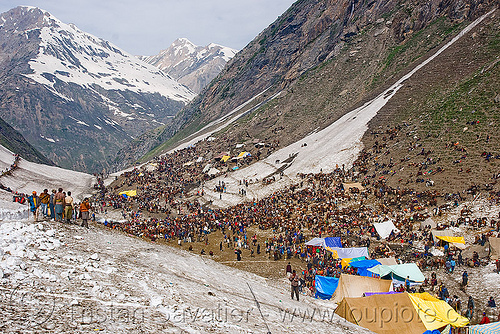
[[192, 65], [77, 98]]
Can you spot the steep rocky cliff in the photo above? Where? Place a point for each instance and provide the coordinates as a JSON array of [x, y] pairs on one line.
[[16, 143]]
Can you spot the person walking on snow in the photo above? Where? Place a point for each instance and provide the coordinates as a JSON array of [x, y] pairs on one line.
[[294, 279]]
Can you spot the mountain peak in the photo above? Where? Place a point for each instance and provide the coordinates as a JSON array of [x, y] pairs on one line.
[[192, 65]]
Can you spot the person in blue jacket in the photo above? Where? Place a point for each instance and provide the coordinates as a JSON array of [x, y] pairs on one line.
[[34, 202]]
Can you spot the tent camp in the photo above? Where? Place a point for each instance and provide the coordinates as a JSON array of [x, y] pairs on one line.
[[363, 266], [316, 242], [342, 253], [400, 272], [494, 248], [325, 286], [402, 313], [383, 314], [384, 229], [356, 286], [436, 313], [491, 328]]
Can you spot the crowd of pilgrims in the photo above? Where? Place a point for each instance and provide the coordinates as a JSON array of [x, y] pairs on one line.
[[319, 204]]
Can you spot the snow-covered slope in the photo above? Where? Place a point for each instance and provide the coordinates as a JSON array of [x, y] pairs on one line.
[[72, 55], [192, 65], [31, 176], [65, 279]]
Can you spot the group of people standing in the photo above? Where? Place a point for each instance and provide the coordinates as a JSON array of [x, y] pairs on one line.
[[59, 206]]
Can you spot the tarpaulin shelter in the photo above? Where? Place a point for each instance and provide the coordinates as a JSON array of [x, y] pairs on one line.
[[491, 328], [325, 286], [346, 262], [333, 242], [244, 154], [494, 248], [459, 240], [342, 253], [383, 314], [399, 272], [356, 286], [213, 171], [316, 242], [225, 158], [128, 193], [450, 237], [206, 168], [384, 229], [388, 261], [363, 266], [436, 313]]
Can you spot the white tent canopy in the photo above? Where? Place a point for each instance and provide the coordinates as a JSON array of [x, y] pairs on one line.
[[384, 229], [319, 242]]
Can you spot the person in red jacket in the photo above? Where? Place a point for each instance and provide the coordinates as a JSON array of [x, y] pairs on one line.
[[485, 319]]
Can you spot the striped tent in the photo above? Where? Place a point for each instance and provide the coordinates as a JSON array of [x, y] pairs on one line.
[[491, 328]]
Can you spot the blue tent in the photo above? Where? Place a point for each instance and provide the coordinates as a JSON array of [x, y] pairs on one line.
[[333, 242], [325, 286], [363, 266]]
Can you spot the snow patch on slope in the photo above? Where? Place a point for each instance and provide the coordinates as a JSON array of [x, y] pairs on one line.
[[74, 56]]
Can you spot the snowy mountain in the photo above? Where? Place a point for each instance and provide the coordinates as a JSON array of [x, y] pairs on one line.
[[62, 87], [192, 65]]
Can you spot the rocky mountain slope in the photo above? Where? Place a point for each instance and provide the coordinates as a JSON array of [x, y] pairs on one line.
[[75, 97], [191, 65], [320, 60], [15, 142]]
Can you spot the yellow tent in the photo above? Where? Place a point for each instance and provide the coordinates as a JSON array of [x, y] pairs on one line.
[[436, 313], [225, 158], [129, 193], [457, 240], [243, 154]]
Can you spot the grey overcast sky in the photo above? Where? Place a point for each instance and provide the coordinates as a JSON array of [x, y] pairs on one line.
[[144, 27]]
